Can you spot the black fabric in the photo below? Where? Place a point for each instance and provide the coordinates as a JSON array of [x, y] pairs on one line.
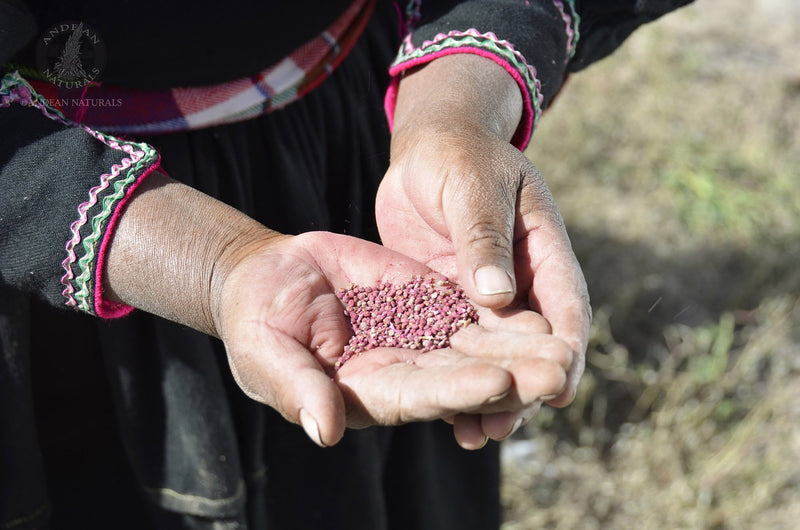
[[158, 44], [17, 27], [22, 493], [155, 44], [536, 29], [138, 423], [35, 218], [87, 473], [164, 418], [173, 417]]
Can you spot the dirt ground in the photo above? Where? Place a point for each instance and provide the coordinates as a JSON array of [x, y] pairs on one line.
[[676, 165]]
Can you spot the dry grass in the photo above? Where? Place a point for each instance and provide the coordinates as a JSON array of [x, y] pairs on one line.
[[675, 163]]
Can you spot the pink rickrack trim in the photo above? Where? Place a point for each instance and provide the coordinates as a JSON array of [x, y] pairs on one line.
[[105, 182], [568, 22], [531, 107], [17, 93], [103, 307], [140, 163], [406, 22]]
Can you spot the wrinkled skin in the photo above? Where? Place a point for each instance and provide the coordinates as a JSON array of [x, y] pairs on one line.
[[458, 196], [272, 300], [283, 340]]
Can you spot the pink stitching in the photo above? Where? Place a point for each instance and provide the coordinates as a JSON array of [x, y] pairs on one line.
[[105, 181], [472, 32], [413, 14], [567, 18], [23, 95], [523, 134], [102, 307]]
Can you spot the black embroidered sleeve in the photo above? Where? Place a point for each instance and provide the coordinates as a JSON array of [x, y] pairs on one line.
[[537, 41], [62, 186]]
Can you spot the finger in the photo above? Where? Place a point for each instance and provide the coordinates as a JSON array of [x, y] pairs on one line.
[[279, 372], [557, 285], [379, 390], [468, 432], [477, 341], [513, 320], [502, 425], [480, 215], [560, 291], [534, 378]]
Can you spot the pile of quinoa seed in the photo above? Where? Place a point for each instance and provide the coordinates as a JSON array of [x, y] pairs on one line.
[[420, 315]]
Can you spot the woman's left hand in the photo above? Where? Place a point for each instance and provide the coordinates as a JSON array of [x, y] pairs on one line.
[[461, 199]]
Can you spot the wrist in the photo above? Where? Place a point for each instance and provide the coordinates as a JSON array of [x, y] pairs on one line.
[[459, 93], [223, 281], [172, 250]]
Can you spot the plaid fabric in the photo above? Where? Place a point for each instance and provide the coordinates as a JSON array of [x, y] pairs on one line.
[[129, 111]]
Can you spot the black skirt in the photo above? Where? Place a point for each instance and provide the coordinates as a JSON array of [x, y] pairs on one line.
[[140, 424]]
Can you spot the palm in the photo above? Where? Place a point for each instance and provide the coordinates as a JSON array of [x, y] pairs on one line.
[[420, 198], [284, 328], [437, 201]]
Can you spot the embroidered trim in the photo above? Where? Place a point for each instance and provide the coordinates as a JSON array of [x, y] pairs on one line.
[[114, 186], [95, 213], [103, 307], [413, 14], [488, 45], [572, 21]]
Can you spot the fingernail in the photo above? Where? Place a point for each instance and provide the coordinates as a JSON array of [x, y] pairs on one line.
[[485, 441], [491, 279], [310, 426], [498, 397], [517, 425]]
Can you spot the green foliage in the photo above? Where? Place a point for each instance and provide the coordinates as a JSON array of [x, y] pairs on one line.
[[710, 361], [679, 180]]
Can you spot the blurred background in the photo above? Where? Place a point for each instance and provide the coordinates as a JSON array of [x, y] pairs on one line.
[[676, 165]]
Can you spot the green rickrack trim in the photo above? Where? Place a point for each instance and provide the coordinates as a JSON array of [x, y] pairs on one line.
[[12, 80], [458, 41], [84, 282], [576, 25], [144, 155]]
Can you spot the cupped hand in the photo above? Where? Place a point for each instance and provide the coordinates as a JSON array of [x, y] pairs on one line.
[[464, 201], [284, 328], [271, 298]]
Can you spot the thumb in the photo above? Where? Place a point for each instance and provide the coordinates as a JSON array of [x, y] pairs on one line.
[[280, 372], [480, 219]]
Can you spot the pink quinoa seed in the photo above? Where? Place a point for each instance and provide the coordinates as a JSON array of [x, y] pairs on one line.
[[419, 315]]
